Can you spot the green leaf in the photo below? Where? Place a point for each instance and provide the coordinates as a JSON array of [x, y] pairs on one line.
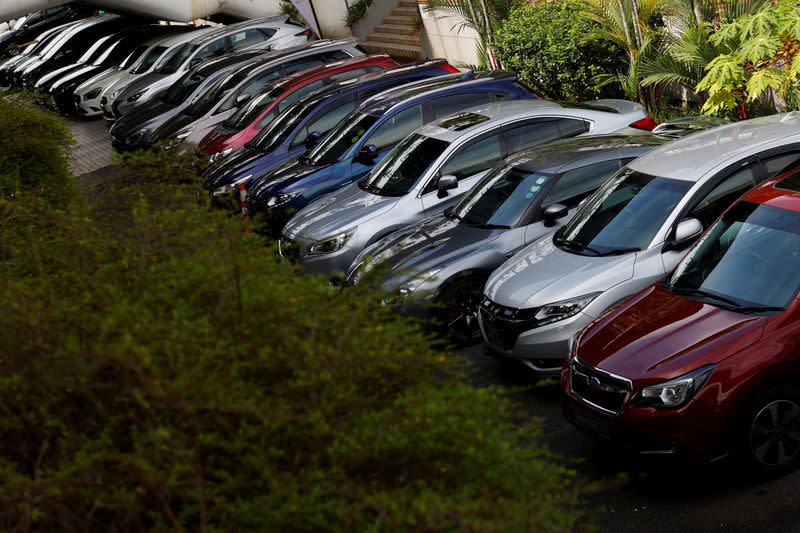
[[759, 48], [763, 79]]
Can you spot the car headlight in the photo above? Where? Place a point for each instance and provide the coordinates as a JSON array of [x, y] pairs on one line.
[[94, 93], [547, 314], [331, 244], [136, 97], [410, 287], [231, 187], [280, 199], [139, 136], [220, 155], [676, 392], [177, 140]]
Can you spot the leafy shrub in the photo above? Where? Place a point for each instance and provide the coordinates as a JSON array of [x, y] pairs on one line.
[[170, 373], [543, 43], [33, 162], [356, 11]]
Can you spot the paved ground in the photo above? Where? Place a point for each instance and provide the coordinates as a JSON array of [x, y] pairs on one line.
[[92, 148], [661, 496]]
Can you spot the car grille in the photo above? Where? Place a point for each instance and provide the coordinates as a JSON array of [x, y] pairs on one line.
[[289, 249], [598, 388], [501, 324]]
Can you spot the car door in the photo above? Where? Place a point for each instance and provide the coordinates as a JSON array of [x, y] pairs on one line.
[[569, 188], [468, 164]]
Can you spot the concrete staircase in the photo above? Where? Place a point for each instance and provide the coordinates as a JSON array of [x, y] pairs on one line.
[[396, 36]]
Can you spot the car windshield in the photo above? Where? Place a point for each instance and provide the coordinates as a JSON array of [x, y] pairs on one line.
[[397, 174], [95, 51], [248, 113], [339, 140], [182, 89], [501, 198], [280, 128], [748, 261], [148, 60], [215, 94], [624, 215], [175, 58]]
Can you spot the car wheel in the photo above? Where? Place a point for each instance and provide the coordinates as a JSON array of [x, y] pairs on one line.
[[771, 430], [459, 302]]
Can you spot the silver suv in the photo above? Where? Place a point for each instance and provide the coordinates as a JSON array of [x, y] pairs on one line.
[[430, 170], [633, 231]]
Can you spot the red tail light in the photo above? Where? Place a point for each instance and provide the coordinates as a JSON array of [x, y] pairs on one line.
[[646, 124], [306, 33], [450, 68]]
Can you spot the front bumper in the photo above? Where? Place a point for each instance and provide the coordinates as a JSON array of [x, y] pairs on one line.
[[295, 249]]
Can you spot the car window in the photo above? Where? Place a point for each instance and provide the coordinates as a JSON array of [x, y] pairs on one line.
[[347, 75], [522, 136], [711, 206], [779, 164], [575, 185], [36, 18], [335, 55], [401, 170], [475, 157], [55, 11], [299, 93], [214, 49], [397, 127], [570, 127], [325, 121], [447, 105], [246, 38], [253, 88], [303, 64]]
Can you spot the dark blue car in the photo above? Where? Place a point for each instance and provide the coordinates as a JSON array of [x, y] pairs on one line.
[[367, 135], [301, 125]]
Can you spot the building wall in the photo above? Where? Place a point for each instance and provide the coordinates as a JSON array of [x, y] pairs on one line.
[[331, 15], [442, 37], [378, 11]]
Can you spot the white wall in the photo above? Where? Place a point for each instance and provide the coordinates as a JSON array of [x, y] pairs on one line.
[[331, 15], [441, 37]]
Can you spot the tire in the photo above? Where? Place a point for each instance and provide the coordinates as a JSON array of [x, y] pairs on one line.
[[458, 309], [769, 431]]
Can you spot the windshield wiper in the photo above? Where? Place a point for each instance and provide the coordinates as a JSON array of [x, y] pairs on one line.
[[576, 246], [620, 251], [710, 295], [759, 308], [492, 226]]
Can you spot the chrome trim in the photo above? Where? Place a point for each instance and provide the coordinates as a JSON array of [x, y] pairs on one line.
[[573, 372]]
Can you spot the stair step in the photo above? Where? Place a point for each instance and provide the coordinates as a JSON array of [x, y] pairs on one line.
[[405, 12], [411, 40], [398, 29], [397, 20], [394, 50], [408, 3]]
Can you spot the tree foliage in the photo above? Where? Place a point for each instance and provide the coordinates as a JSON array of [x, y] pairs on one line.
[[544, 43]]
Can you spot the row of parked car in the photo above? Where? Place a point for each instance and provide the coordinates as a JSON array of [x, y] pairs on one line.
[[653, 267]]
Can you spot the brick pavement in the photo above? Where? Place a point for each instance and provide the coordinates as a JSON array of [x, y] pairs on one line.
[[92, 149]]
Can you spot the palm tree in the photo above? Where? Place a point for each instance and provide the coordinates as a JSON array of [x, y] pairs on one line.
[[624, 22]]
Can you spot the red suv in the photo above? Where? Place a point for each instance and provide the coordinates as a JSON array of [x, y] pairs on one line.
[[707, 361], [258, 113]]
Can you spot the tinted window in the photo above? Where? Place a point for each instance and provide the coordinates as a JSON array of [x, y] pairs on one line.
[[530, 134], [145, 61], [245, 38], [575, 185], [626, 213], [339, 140], [722, 196], [303, 64], [404, 166], [173, 60], [397, 127], [476, 157], [36, 18], [325, 121], [253, 109], [252, 88], [570, 127], [447, 105], [780, 164], [751, 257], [214, 49], [502, 197], [336, 55]]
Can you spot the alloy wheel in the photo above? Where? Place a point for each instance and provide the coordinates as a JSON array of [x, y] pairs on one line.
[[775, 434]]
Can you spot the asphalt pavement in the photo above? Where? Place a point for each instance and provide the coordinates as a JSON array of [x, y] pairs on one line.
[[659, 495]]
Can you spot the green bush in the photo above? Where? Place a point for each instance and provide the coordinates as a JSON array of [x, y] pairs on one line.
[[161, 369], [32, 157], [542, 42]]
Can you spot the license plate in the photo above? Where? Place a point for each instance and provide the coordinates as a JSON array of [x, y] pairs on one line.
[[591, 423]]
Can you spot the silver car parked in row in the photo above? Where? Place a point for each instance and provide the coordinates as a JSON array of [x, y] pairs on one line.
[[430, 170], [632, 232]]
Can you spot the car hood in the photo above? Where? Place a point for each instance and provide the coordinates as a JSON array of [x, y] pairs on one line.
[[148, 115], [172, 126], [542, 274], [283, 176], [101, 81], [658, 334], [237, 165], [77, 76], [338, 211], [143, 82]]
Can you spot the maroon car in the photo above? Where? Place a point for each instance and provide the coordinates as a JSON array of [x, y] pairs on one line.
[[707, 361]]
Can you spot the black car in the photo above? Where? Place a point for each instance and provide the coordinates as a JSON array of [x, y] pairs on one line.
[[15, 40]]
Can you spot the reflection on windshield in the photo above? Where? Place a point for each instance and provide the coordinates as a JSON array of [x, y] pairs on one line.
[[215, 94], [750, 258], [336, 143], [277, 131], [249, 112], [148, 60], [397, 174], [173, 60], [501, 198], [183, 88], [625, 214]]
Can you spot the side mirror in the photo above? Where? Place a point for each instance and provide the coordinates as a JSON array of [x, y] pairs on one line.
[[242, 98], [445, 184], [553, 213], [367, 154], [195, 63], [687, 231], [313, 139]]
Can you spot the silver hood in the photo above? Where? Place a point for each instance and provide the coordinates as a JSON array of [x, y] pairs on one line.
[[542, 274], [337, 212]]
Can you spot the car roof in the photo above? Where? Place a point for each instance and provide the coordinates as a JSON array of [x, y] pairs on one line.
[[224, 30], [381, 103], [561, 155], [694, 157], [213, 65], [782, 192], [268, 58], [303, 75], [182, 37]]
